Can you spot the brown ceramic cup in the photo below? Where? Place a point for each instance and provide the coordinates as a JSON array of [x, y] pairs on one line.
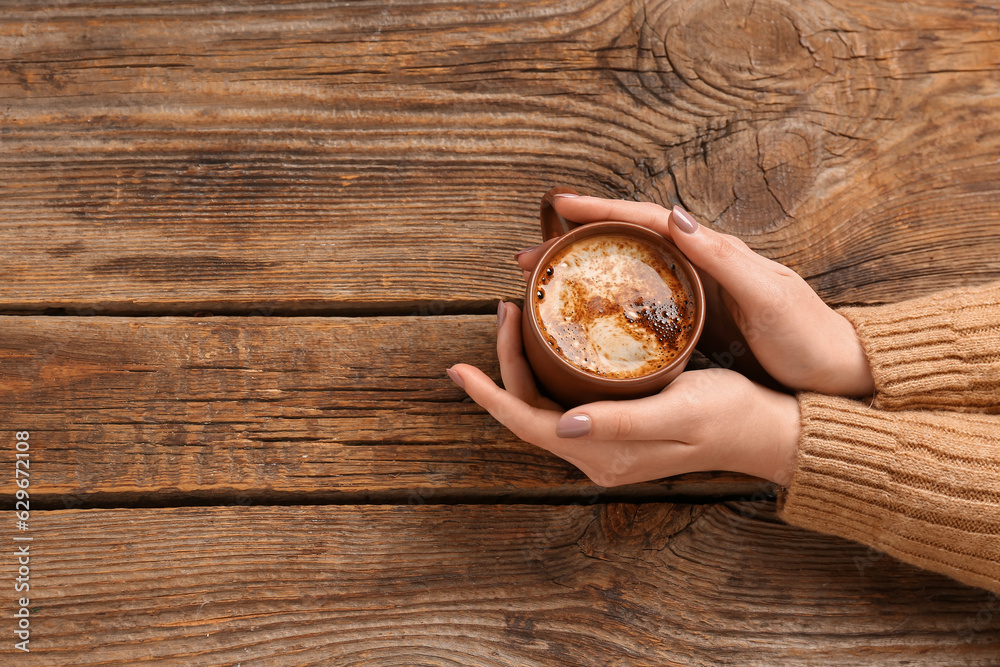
[[569, 384]]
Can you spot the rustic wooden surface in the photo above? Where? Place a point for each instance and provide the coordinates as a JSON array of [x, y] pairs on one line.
[[177, 178], [155, 410], [625, 585], [355, 158]]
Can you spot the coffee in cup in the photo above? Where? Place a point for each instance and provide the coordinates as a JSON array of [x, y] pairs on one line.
[[612, 310], [614, 305]]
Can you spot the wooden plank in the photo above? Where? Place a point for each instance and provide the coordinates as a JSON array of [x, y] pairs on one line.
[[168, 410], [363, 158], [621, 585]]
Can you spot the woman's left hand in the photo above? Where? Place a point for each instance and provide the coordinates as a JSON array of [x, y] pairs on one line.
[[711, 419]]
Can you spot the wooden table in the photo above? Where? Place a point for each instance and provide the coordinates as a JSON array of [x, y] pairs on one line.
[[241, 242]]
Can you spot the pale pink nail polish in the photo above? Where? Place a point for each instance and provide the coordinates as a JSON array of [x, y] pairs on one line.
[[521, 252], [501, 314], [456, 378], [684, 221], [573, 426]]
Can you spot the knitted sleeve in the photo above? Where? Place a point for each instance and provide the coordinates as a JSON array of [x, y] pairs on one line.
[[937, 352], [922, 486]]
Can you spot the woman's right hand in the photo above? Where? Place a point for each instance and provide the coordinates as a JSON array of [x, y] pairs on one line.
[[794, 336]]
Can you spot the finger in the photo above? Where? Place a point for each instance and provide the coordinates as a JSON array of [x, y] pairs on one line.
[[593, 209], [599, 460], [514, 369], [663, 416], [527, 258], [682, 221], [738, 270], [529, 423], [740, 245]]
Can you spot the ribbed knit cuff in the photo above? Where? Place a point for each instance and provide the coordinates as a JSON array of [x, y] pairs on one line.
[[923, 487], [940, 351]]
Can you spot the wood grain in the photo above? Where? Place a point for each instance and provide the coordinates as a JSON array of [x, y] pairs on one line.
[[267, 158], [173, 410], [348, 158], [628, 585]]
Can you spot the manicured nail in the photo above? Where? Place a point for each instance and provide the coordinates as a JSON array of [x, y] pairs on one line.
[[501, 313], [521, 252], [684, 221], [456, 378], [573, 426], [566, 195]]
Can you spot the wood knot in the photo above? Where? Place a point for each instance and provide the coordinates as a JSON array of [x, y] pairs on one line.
[[758, 104], [625, 529]]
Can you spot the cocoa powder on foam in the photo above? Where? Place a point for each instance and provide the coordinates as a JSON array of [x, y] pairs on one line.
[[614, 306]]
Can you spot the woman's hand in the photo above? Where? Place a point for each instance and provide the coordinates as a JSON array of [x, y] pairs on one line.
[[705, 420], [797, 339]]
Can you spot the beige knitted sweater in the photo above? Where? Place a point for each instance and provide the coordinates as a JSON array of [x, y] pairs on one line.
[[917, 474]]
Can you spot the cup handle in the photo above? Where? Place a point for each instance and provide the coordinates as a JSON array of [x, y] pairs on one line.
[[553, 224]]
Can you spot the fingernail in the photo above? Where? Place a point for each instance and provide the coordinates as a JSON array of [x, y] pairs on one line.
[[456, 378], [566, 195], [684, 221], [501, 313], [521, 252], [573, 426]]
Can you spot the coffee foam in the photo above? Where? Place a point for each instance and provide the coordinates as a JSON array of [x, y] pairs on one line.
[[613, 305]]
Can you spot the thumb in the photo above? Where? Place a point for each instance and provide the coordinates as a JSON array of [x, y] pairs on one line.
[[744, 274], [656, 417]]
